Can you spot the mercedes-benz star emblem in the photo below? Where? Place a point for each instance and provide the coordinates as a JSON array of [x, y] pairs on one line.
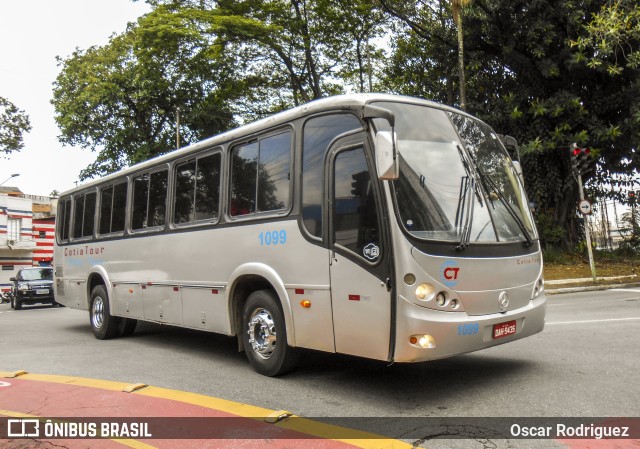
[[503, 300]]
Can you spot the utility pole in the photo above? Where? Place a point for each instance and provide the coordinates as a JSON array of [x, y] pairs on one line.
[[178, 129], [578, 157], [587, 232]]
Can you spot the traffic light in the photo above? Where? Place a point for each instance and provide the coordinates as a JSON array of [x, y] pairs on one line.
[[581, 159]]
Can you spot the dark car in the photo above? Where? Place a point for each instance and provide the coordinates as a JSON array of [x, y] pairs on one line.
[[32, 286]]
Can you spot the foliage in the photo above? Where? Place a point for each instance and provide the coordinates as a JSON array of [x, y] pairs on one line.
[[612, 38], [525, 79], [551, 235], [13, 124], [631, 220], [548, 73], [122, 99], [218, 63]]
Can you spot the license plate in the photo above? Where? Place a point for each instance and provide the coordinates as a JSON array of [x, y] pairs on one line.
[[42, 292], [504, 329]]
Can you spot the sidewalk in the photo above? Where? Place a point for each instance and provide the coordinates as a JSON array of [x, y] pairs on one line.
[[41, 411], [587, 284]]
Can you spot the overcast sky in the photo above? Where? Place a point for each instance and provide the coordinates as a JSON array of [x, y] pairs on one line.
[[32, 34]]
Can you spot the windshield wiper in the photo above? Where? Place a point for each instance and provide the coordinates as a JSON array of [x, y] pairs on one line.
[[487, 181], [465, 202]]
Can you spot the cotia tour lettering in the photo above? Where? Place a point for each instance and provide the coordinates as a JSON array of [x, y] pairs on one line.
[[84, 251]]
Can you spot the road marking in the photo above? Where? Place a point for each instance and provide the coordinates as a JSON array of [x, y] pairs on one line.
[[599, 301], [634, 290], [124, 441], [595, 321], [357, 438]]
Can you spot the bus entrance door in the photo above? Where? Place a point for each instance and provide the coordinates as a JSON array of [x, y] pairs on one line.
[[359, 264]]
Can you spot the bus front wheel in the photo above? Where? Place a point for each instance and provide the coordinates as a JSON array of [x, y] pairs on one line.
[[265, 336], [103, 325]]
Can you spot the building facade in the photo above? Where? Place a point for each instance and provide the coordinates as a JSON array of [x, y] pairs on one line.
[[27, 226]]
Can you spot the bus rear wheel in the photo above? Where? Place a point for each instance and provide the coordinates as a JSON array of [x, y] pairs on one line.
[[103, 325], [265, 336]]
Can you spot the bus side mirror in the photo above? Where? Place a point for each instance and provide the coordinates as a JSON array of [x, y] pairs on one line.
[[386, 155], [511, 144]]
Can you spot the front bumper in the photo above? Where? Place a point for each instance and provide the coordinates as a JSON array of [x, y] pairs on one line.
[[458, 333], [32, 297]]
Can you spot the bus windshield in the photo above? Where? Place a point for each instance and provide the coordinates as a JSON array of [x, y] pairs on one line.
[[457, 182]]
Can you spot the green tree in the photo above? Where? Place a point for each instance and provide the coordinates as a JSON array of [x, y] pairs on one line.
[[217, 62], [300, 49], [13, 124], [526, 80], [122, 99], [611, 39]]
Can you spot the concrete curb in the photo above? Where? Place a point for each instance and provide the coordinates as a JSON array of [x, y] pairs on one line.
[[590, 288]]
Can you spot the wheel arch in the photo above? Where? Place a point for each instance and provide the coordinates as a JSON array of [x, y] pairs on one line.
[[252, 277], [98, 276]]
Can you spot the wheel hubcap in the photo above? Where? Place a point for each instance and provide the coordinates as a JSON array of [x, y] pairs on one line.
[[262, 333], [97, 315]]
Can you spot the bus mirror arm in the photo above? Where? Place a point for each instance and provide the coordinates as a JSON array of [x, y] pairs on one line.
[[386, 150], [372, 112]]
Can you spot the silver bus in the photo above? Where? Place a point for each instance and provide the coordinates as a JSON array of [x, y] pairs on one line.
[[380, 226]]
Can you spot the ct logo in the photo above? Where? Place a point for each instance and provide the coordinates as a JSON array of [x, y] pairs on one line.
[[449, 273]]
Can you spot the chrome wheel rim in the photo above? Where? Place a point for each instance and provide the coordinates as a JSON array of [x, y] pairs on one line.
[[262, 333], [97, 312]]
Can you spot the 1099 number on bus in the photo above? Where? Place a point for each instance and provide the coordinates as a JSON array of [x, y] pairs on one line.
[[468, 329], [273, 238]]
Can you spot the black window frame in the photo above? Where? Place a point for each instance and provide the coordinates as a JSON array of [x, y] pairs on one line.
[[131, 203], [63, 219], [174, 185], [73, 224], [319, 236], [255, 214], [101, 190], [375, 208]]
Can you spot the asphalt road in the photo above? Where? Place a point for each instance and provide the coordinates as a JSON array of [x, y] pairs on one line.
[[585, 363]]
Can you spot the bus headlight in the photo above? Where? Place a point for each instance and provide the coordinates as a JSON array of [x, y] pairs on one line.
[[425, 292]]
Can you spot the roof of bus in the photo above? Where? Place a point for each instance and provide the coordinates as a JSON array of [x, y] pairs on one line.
[[348, 102]]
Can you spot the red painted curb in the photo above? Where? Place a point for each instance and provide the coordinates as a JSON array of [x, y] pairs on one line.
[[59, 401]]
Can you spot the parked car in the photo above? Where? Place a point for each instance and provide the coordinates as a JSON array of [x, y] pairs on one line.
[[32, 285]]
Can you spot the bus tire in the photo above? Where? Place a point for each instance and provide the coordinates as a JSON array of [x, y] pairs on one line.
[[103, 325], [265, 336], [127, 326]]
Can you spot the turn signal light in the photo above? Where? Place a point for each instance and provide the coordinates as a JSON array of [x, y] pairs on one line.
[[305, 303]]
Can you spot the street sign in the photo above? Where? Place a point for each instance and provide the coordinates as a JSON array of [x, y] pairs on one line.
[[585, 207]]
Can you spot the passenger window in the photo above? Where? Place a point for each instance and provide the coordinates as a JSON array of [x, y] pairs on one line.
[[63, 219], [113, 204], [119, 210], [149, 200], [197, 189], [84, 215], [318, 134], [260, 175], [243, 179], [355, 219]]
